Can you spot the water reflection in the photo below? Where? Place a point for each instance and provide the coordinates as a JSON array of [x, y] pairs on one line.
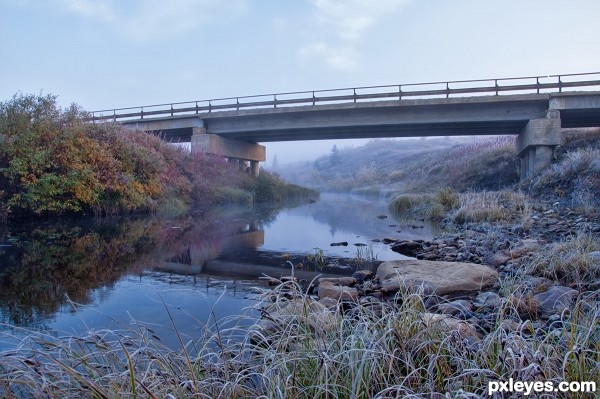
[[42, 265], [73, 275]]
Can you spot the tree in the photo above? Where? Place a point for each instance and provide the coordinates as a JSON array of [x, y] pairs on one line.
[[334, 157], [275, 163]]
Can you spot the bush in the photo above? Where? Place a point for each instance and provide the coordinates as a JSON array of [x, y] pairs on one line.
[[53, 161], [232, 195], [269, 187]]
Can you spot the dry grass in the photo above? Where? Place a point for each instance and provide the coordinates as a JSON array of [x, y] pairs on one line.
[[569, 261], [303, 350], [575, 179], [488, 163], [426, 205], [491, 206]]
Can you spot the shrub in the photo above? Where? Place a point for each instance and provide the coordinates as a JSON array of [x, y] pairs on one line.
[[269, 187], [53, 161], [447, 198]]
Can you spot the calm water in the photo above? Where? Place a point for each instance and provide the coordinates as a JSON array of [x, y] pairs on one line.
[[73, 276]]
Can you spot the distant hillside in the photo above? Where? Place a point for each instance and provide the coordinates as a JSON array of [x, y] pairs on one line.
[[417, 165]]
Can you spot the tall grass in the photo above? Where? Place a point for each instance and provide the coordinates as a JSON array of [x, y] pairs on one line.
[[301, 349]]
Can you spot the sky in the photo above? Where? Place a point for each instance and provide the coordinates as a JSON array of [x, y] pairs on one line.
[[117, 53]]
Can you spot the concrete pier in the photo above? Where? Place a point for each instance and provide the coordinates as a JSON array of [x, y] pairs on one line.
[[233, 149], [536, 143]]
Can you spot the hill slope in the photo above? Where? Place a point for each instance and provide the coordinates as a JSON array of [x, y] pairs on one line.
[[415, 165]]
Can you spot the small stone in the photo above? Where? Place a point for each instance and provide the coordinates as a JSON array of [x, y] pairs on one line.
[[407, 247], [460, 308], [538, 284], [487, 300], [343, 281], [336, 292], [362, 275], [449, 324], [555, 300], [339, 244], [496, 259]]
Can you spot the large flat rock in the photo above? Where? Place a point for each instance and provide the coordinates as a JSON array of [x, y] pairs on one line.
[[440, 278]]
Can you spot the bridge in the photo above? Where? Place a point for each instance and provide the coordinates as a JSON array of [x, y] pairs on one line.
[[538, 109]]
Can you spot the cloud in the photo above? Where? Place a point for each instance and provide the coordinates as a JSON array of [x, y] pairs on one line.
[[154, 19], [89, 8], [340, 26], [341, 58]]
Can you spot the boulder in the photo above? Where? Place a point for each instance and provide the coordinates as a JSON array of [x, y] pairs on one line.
[[440, 278], [330, 303]]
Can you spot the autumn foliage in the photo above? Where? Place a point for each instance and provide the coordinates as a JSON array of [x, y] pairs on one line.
[[53, 161]]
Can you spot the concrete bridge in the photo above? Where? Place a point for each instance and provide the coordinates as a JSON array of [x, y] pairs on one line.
[[537, 109]]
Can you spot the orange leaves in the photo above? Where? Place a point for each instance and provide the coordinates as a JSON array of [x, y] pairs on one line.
[[53, 162]]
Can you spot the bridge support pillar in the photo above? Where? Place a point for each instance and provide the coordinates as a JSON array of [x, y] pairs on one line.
[[229, 148], [254, 168], [536, 143]]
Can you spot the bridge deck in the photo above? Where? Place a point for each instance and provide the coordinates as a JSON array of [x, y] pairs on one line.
[[495, 106]]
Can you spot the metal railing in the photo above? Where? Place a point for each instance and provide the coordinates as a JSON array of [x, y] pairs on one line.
[[456, 88]]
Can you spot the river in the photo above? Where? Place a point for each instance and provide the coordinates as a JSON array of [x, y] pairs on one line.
[[70, 276]]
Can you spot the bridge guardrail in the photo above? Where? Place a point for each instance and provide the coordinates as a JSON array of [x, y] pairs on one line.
[[498, 86]]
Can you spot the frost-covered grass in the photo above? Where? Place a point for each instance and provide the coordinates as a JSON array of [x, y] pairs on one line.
[[301, 349]]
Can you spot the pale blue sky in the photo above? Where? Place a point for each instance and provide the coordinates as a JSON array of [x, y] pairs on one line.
[[117, 53]]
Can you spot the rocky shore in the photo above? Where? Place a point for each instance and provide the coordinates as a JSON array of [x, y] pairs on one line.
[[472, 271]]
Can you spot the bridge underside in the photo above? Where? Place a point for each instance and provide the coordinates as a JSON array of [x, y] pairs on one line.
[[360, 132], [536, 118]]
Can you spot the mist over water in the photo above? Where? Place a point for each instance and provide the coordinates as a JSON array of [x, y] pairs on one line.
[[72, 276]]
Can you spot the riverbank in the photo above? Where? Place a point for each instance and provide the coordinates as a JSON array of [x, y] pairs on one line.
[[54, 162], [530, 311]]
